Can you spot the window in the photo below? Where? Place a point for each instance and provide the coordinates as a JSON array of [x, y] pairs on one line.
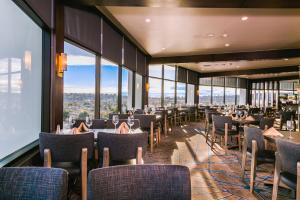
[[169, 93], [138, 91], [154, 98], [257, 98], [218, 95], [108, 88], [20, 79], [155, 71], [190, 94], [169, 72], [79, 84], [127, 76], [229, 96], [181, 88], [241, 96], [204, 95]]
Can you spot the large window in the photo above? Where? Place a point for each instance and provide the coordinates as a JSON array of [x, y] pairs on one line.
[[190, 94], [218, 95], [204, 95], [155, 71], [241, 96], [20, 79], [229, 96], [169, 93], [181, 89], [154, 98], [169, 72], [79, 84], [127, 77], [108, 88], [138, 91]]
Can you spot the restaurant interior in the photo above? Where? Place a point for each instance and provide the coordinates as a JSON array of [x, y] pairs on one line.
[[177, 99]]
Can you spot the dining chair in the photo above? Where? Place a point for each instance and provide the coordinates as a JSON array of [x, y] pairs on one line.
[[208, 121], [139, 111], [285, 116], [266, 123], [121, 147], [28, 183], [148, 123], [222, 126], [254, 146], [110, 124], [121, 116], [287, 166], [98, 124], [155, 182], [70, 152]]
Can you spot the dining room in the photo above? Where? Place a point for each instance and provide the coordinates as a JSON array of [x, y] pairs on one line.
[[149, 99]]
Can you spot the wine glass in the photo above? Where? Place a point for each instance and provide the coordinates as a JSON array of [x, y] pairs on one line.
[[115, 121], [290, 127], [71, 121], [130, 122], [88, 122]]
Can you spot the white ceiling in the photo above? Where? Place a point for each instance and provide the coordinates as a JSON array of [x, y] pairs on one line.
[[184, 31], [260, 76]]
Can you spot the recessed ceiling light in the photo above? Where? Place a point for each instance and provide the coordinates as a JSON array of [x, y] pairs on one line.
[[211, 35], [163, 48], [148, 20], [225, 35], [237, 66], [227, 45], [285, 59], [244, 18]]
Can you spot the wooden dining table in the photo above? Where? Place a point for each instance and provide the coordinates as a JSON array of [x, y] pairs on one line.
[[295, 137]]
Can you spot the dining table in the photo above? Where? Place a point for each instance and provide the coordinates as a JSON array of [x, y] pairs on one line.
[[295, 137]]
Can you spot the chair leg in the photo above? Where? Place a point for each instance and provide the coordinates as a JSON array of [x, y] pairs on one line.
[[151, 137], [298, 182], [139, 155], [213, 136], [240, 142], [244, 159], [253, 165], [277, 177], [106, 157], [84, 172], [165, 126], [47, 158], [226, 138]]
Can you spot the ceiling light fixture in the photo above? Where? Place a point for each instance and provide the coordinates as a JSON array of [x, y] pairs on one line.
[[211, 35], [148, 20], [244, 18], [225, 35], [285, 59], [227, 45], [163, 48]]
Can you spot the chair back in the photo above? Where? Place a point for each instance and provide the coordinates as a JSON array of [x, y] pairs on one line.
[[98, 124], [289, 154], [109, 123], [254, 110], [122, 147], [66, 148], [253, 133], [266, 121], [139, 111], [145, 120], [220, 121], [287, 115], [140, 182], [33, 183], [121, 116], [209, 113]]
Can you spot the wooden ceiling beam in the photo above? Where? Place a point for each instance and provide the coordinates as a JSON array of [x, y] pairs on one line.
[[257, 55], [193, 3], [269, 70]]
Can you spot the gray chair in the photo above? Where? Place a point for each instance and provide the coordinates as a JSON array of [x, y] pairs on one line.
[[148, 123], [208, 121], [109, 123], [98, 124], [266, 123], [155, 182], [254, 146], [121, 116], [121, 147], [70, 152], [33, 183], [222, 126], [287, 167]]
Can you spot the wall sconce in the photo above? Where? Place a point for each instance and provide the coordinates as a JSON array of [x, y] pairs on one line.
[[27, 60], [147, 87], [198, 92], [61, 64]]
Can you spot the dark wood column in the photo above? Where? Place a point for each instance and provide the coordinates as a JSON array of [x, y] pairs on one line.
[[57, 46]]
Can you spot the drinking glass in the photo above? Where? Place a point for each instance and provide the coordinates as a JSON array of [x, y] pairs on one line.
[[115, 121], [88, 122], [130, 122], [71, 121], [290, 127]]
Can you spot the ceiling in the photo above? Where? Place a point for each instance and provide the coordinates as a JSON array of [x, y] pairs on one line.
[[183, 31], [275, 75]]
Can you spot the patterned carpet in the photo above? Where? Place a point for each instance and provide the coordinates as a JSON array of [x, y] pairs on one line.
[[214, 175]]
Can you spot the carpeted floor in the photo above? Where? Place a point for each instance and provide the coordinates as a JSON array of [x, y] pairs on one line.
[[213, 174]]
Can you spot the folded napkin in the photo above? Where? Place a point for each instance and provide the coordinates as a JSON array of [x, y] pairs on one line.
[[249, 118], [272, 132], [123, 128], [81, 128]]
